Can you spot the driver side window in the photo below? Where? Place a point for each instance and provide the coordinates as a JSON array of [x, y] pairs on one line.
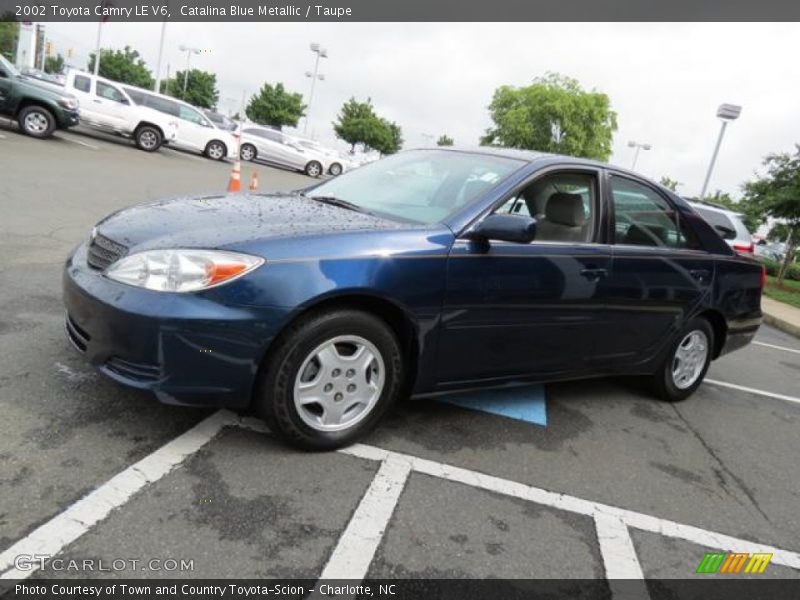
[[562, 204]]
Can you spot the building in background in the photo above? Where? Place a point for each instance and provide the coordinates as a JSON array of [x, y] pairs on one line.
[[26, 45]]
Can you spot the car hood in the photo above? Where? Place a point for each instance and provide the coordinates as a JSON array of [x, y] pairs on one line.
[[218, 221]]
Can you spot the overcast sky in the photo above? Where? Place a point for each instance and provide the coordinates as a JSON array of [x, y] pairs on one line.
[[665, 80]]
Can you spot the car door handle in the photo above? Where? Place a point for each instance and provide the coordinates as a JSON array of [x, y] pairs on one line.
[[594, 274], [700, 274]]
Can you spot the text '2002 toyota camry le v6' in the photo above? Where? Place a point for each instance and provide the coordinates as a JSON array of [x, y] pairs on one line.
[[429, 271]]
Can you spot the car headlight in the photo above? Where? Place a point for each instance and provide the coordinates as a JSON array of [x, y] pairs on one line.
[[71, 103], [182, 270]]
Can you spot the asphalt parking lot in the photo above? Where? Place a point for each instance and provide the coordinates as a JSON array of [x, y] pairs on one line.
[[617, 484]]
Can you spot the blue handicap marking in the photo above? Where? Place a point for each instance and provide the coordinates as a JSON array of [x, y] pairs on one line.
[[521, 403]]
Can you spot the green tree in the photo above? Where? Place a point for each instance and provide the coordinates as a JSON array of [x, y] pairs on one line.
[[444, 140], [9, 34], [356, 123], [776, 194], [125, 66], [553, 114], [384, 136], [670, 184], [201, 88], [275, 106], [54, 64], [779, 232]]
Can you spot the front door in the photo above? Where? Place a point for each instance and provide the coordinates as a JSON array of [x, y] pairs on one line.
[[659, 274], [516, 310], [109, 106]]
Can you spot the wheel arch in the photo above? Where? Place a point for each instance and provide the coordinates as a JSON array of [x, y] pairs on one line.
[[149, 124], [398, 318], [26, 101], [720, 327]]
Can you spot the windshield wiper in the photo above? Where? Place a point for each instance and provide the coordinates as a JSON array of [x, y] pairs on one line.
[[340, 202]]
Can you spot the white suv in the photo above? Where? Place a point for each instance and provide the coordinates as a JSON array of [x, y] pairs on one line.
[[728, 224], [196, 132], [105, 106]]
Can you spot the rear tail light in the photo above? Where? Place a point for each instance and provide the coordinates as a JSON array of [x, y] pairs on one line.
[[744, 248], [763, 276]]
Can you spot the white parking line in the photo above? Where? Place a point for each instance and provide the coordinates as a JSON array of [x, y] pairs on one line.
[[359, 541], [784, 348], [74, 141], [63, 529], [750, 390], [619, 559]]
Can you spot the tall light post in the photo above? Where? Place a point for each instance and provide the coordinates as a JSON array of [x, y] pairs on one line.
[[160, 54], [321, 53], [189, 51], [726, 113], [638, 147]]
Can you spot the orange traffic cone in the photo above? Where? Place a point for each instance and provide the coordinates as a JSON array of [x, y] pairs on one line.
[[235, 182], [254, 182]]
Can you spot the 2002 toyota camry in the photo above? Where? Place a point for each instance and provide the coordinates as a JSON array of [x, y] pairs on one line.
[[429, 271]]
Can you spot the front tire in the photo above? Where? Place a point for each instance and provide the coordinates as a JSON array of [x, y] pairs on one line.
[[313, 169], [335, 169], [216, 150], [686, 363], [148, 138], [36, 121], [330, 379]]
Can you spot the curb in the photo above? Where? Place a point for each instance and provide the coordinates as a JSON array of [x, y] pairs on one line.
[[782, 324]]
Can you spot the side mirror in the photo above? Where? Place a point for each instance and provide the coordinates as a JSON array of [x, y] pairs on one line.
[[124, 101], [520, 229]]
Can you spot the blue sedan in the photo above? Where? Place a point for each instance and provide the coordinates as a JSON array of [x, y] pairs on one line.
[[426, 272]]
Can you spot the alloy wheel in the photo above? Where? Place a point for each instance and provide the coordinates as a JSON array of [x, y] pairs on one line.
[[689, 359], [36, 122]]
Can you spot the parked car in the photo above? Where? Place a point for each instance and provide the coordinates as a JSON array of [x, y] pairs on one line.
[[38, 107], [221, 121], [771, 250], [105, 106], [273, 147], [728, 224], [338, 162], [195, 131], [428, 271]]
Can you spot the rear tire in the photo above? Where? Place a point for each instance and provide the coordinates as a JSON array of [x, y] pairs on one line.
[[36, 121], [216, 150], [148, 138], [686, 362], [248, 152], [335, 169], [309, 392], [313, 169]]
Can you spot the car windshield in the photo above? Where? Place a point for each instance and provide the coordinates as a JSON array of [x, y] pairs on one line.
[[8, 67], [423, 186]]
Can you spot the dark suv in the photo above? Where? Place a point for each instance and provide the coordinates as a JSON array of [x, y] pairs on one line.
[[39, 108]]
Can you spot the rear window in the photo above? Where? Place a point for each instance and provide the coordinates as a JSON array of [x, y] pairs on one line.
[[162, 105], [715, 218]]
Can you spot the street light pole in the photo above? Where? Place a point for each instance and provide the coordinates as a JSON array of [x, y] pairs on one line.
[[638, 147], [727, 113], [189, 51], [160, 54], [321, 53]]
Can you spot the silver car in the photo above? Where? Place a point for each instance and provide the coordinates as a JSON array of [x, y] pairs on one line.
[[728, 224], [273, 147]]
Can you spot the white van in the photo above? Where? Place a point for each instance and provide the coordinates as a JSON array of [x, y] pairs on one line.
[[105, 106], [196, 132]]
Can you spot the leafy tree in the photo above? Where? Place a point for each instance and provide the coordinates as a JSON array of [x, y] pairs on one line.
[[553, 114], [385, 137], [54, 64], [776, 194], [356, 123], [9, 34], [779, 232], [670, 184], [444, 140], [275, 106], [125, 66], [201, 88]]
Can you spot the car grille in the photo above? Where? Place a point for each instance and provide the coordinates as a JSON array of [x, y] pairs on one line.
[[103, 252], [131, 370], [76, 335]]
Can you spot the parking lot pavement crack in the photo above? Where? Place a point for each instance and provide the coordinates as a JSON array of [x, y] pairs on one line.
[[720, 474]]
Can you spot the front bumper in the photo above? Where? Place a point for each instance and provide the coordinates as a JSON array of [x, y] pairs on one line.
[[188, 349], [68, 118]]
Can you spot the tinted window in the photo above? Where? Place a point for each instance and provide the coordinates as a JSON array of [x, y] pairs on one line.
[[84, 84], [715, 218], [135, 95], [191, 115], [272, 135], [644, 218], [162, 104], [109, 92]]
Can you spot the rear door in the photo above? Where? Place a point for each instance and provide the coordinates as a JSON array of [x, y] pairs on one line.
[[659, 275]]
